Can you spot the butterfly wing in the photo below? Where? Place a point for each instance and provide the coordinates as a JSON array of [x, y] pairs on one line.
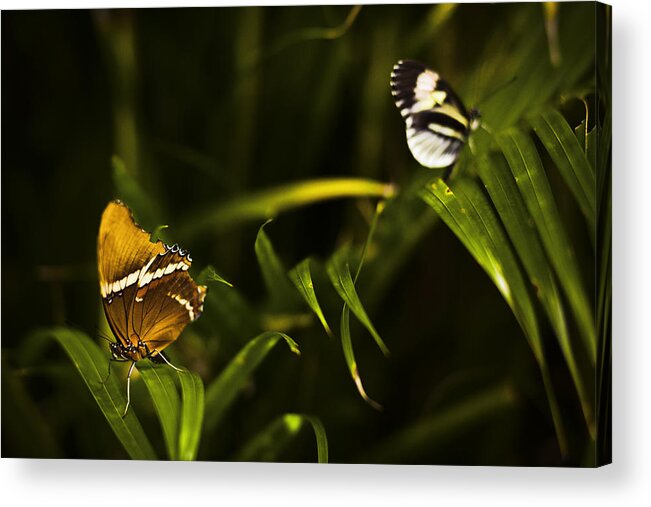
[[123, 251], [437, 121], [166, 301], [147, 293]]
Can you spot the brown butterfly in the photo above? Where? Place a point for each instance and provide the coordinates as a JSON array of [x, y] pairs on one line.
[[148, 295]]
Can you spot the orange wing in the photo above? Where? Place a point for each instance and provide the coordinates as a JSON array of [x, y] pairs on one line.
[[147, 293]]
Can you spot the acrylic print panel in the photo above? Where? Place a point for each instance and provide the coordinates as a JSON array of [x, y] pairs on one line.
[[398, 219]]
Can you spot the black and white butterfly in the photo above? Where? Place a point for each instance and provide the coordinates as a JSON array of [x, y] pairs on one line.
[[437, 122]]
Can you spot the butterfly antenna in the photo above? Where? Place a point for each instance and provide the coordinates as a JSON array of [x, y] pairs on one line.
[[165, 359], [103, 335], [128, 389]]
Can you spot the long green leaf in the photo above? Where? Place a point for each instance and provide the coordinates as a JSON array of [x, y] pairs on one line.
[[302, 280], [191, 415], [270, 203], [92, 364], [570, 159], [283, 296], [338, 269], [223, 390], [528, 172], [162, 389], [321, 437], [269, 443], [471, 217], [513, 212], [349, 356], [226, 310]]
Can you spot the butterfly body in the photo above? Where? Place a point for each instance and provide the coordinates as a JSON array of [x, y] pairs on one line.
[[147, 292], [437, 122]]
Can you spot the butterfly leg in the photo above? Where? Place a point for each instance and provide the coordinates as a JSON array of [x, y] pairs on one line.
[[108, 374], [160, 354], [128, 388]]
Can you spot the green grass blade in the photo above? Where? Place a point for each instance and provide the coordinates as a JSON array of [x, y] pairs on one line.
[[271, 202], [349, 356], [570, 159], [269, 443], [529, 174], [281, 293], [223, 390], [226, 311], [92, 364], [162, 389], [301, 277], [421, 438], [209, 275], [338, 269], [471, 217], [510, 205], [321, 437], [191, 415]]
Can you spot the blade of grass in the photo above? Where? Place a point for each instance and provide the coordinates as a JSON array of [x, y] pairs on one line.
[[223, 390], [269, 443], [302, 279], [469, 214], [163, 392], [208, 274], [282, 295], [271, 202], [191, 415], [570, 159], [346, 339], [471, 217], [339, 273], [510, 205], [92, 364], [349, 356], [227, 311], [528, 172]]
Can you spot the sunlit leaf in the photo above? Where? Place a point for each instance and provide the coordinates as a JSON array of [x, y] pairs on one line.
[[162, 389], [270, 203], [302, 279], [92, 364], [530, 177], [338, 269], [349, 356], [191, 415], [570, 159], [269, 443]]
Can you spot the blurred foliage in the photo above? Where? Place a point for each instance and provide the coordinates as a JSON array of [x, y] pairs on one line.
[[212, 121]]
